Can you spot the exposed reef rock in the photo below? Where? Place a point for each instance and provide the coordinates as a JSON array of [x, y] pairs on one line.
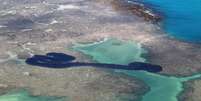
[[138, 9]]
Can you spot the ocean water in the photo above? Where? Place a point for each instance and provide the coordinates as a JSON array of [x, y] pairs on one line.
[[165, 87], [182, 18]]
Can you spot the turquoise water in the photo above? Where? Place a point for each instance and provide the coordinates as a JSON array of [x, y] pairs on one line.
[[101, 51], [182, 18], [23, 95], [163, 88]]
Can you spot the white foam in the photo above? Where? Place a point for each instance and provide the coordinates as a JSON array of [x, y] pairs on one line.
[[149, 12], [48, 30], [25, 30], [12, 12], [2, 26], [54, 21], [64, 7]]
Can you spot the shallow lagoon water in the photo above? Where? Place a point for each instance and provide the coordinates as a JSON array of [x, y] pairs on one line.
[[106, 51], [164, 87], [182, 18]]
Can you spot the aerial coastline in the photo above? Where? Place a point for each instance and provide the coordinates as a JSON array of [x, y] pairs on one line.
[[52, 27]]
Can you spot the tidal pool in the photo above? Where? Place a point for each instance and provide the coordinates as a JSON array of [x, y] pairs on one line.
[[23, 95], [162, 88]]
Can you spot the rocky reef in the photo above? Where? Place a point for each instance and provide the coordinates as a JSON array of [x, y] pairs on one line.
[[137, 8]]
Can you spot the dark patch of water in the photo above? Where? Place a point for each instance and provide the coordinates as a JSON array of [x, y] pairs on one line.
[[61, 60]]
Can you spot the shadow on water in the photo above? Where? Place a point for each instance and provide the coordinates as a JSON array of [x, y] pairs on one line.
[[61, 60]]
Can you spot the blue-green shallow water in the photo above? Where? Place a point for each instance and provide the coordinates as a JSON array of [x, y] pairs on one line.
[[182, 18], [162, 88], [23, 95]]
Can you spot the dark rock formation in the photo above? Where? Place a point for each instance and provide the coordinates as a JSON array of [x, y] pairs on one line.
[[138, 9]]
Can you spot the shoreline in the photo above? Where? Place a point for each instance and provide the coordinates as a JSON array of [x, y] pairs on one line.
[[185, 95], [190, 91], [75, 25], [188, 85]]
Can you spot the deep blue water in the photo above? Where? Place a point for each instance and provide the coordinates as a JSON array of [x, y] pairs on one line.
[[182, 18]]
